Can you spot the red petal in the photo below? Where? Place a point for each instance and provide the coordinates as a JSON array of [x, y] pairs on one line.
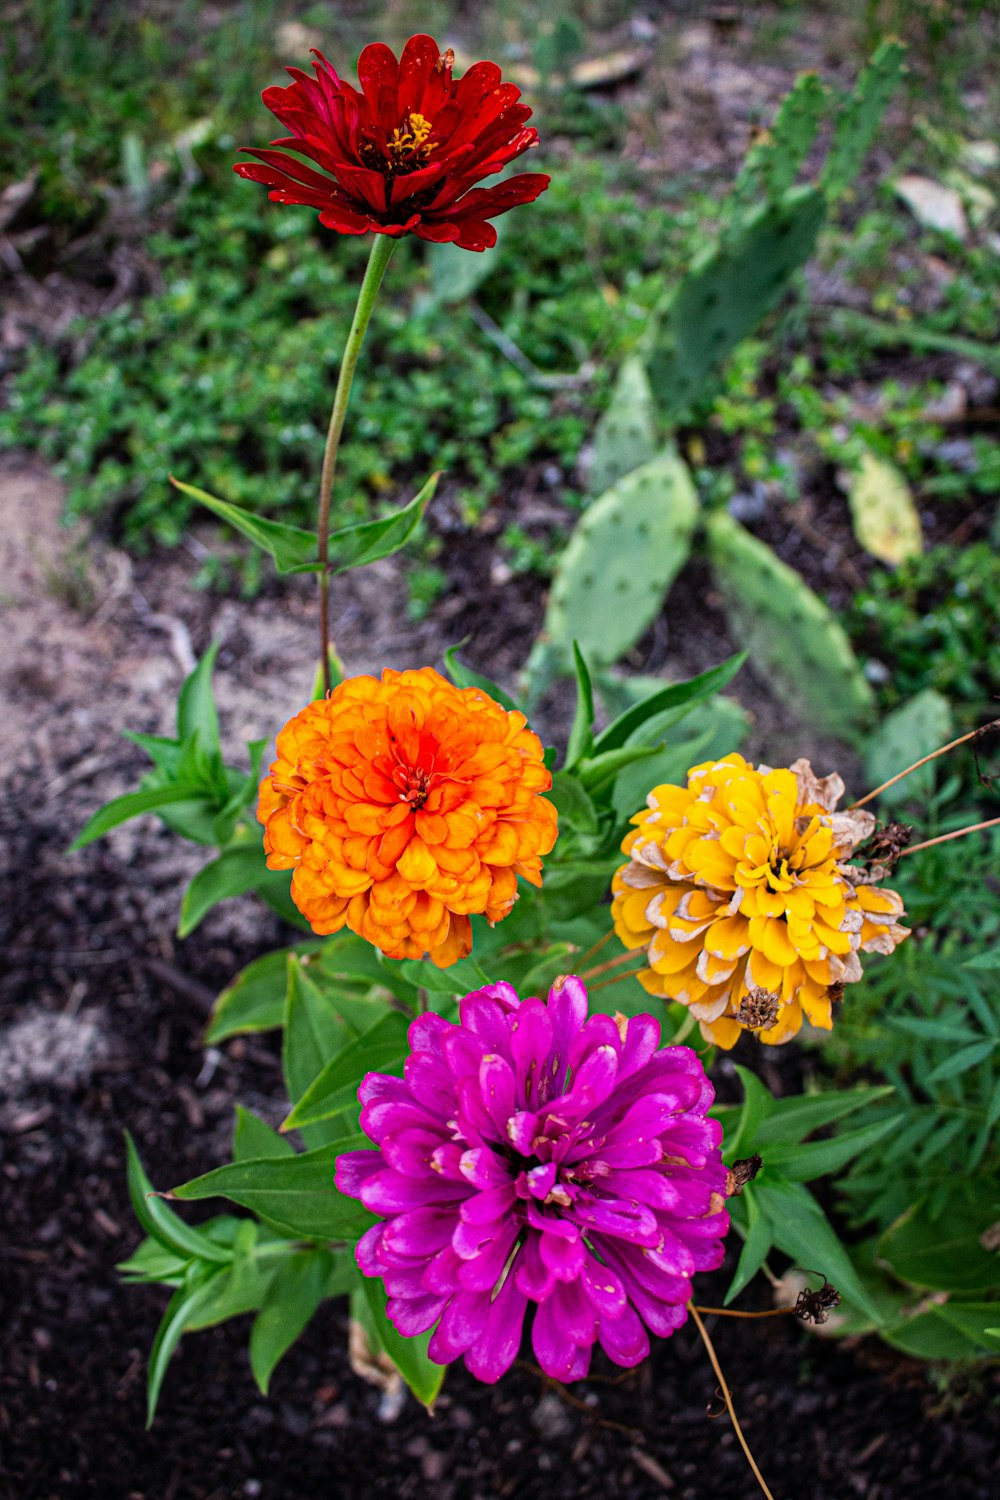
[[438, 234], [377, 75], [344, 221], [416, 65]]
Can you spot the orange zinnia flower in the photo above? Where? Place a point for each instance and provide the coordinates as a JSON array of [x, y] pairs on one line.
[[404, 807], [739, 890]]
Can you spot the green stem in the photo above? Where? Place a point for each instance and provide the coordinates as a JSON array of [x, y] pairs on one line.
[[382, 248]]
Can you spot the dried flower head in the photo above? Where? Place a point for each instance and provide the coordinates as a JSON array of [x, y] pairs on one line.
[[404, 806], [403, 154], [739, 883], [533, 1155], [816, 1307]]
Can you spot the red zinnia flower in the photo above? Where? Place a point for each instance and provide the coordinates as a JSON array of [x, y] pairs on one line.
[[403, 155]]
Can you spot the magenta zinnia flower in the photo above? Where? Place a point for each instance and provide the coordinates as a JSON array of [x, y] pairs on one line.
[[403, 154], [531, 1154]]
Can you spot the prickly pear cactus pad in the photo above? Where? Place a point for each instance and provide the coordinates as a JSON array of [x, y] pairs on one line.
[[626, 434], [727, 292], [790, 633], [621, 560]]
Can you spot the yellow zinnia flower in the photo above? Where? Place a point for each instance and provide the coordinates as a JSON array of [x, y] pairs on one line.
[[738, 888], [404, 807]]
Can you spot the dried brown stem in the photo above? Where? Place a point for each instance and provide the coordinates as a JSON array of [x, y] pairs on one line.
[[727, 1398]]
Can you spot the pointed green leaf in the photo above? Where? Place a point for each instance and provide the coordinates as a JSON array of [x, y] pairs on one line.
[[758, 1102], [132, 805], [233, 873], [255, 1001], [160, 1222], [804, 1163], [581, 738], [253, 1139], [791, 1120], [294, 1194], [803, 1232], [381, 1049], [196, 713], [314, 1032], [675, 696], [293, 550], [759, 1241], [296, 1291], [182, 1306], [464, 677], [355, 546], [409, 1355]]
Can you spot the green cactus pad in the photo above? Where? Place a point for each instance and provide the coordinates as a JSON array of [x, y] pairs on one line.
[[626, 434], [728, 290], [860, 118], [774, 160], [790, 633], [918, 726], [611, 580]]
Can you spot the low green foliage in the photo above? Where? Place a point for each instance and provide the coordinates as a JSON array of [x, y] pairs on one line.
[[255, 302]]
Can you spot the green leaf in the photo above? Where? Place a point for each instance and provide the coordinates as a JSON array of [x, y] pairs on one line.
[[942, 1253], [409, 1355], [253, 1139], [354, 546], [601, 770], [160, 1222], [460, 978], [675, 696], [758, 1102], [791, 1120], [759, 1241], [233, 873], [575, 809], [151, 1262], [581, 739], [802, 1231], [464, 677], [255, 1001], [132, 805], [196, 712], [314, 1031], [183, 1305], [804, 1163], [709, 730], [963, 1060], [293, 550], [297, 1288], [381, 1049], [952, 1331], [294, 1194], [910, 732]]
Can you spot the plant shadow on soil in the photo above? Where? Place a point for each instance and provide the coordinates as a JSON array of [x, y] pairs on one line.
[[101, 1018]]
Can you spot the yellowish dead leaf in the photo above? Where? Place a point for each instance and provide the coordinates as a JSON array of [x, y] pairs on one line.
[[883, 514]]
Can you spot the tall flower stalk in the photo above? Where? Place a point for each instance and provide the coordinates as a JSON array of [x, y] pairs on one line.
[[378, 260]]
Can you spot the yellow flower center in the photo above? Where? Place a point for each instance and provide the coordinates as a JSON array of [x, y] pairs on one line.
[[408, 143]]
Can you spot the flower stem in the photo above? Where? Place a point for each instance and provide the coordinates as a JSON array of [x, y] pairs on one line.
[[382, 248], [952, 745], [612, 963], [727, 1398], [943, 838], [732, 1312]]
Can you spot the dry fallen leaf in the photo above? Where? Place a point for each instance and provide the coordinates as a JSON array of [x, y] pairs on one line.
[[933, 205], [883, 514]]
